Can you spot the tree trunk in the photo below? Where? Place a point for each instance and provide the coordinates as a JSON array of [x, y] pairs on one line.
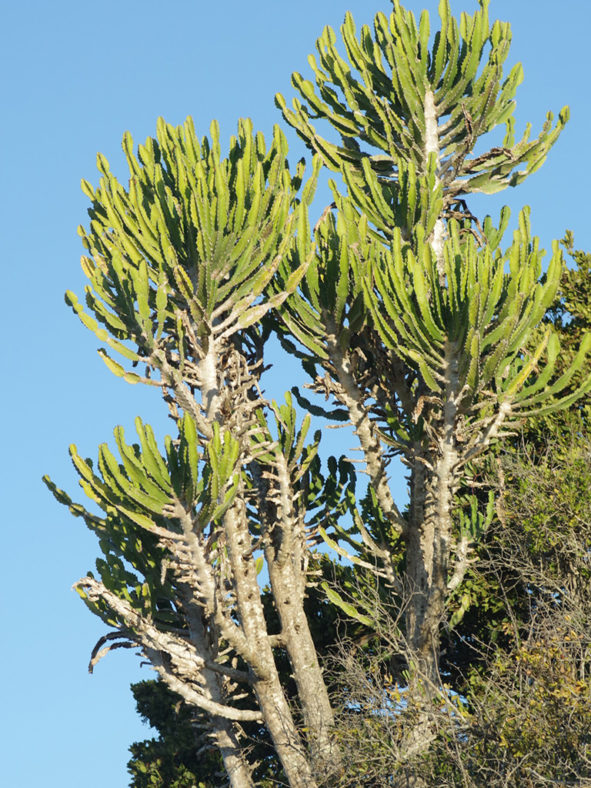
[[286, 556], [433, 484], [232, 754], [265, 679], [296, 636], [224, 731]]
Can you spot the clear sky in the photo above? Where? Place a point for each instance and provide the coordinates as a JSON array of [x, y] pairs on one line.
[[76, 75]]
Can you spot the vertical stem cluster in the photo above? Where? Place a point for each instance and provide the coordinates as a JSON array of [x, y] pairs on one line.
[[432, 488], [288, 599], [224, 732], [286, 558], [265, 678]]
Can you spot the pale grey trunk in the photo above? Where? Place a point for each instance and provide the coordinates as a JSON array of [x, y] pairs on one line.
[[430, 530], [229, 747], [286, 555], [433, 483], [296, 636], [265, 679], [259, 657], [431, 489], [432, 147], [280, 724], [224, 731]]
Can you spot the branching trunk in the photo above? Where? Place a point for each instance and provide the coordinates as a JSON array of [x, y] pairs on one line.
[[287, 561], [353, 399], [265, 680], [232, 754], [401, 296], [224, 733], [433, 483], [295, 634]]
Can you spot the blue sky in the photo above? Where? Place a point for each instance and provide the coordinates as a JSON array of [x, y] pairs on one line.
[[75, 77]]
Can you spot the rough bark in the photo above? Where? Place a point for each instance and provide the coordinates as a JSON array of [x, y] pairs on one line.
[[297, 639], [265, 679], [225, 399], [312, 692], [433, 483], [225, 734], [286, 554], [232, 755]]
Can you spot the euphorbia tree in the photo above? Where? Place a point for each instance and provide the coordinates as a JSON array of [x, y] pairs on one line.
[[179, 264], [404, 308], [411, 308]]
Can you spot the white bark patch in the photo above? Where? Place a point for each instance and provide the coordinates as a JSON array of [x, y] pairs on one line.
[[431, 130], [210, 393], [432, 146]]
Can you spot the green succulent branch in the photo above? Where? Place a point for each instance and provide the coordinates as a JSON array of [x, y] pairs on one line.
[[396, 99], [185, 253]]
